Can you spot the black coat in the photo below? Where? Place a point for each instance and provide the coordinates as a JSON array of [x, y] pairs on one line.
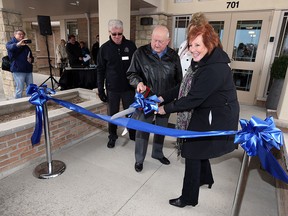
[[112, 63], [212, 92], [159, 74], [74, 53]]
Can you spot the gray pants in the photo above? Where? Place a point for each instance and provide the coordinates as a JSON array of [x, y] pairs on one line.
[[142, 138]]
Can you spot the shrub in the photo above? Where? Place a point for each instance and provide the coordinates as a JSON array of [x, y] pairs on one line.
[[279, 67]]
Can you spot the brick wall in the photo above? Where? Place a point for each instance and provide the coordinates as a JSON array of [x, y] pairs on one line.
[[143, 32], [16, 149]]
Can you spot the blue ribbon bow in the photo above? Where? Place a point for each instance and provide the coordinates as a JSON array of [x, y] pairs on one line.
[[38, 98], [257, 137], [147, 104]]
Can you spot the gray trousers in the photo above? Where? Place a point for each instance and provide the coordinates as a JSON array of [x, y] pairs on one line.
[[142, 138]]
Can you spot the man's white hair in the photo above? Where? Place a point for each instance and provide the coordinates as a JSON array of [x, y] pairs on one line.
[[115, 23]]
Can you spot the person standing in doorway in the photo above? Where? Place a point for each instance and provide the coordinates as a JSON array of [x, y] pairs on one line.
[[113, 61], [21, 59]]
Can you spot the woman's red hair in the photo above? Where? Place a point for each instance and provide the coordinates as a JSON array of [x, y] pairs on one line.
[[210, 37]]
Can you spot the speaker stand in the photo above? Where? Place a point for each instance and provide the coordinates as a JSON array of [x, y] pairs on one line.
[[51, 78]]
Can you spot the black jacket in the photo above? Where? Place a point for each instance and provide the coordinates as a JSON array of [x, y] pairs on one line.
[[112, 64], [212, 93], [94, 51], [74, 53], [159, 74]]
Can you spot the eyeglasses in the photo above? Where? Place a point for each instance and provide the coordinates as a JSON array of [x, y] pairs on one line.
[[115, 34], [161, 42]]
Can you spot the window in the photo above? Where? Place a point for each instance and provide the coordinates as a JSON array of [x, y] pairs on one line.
[[282, 47], [181, 23], [246, 40], [72, 28], [242, 79]]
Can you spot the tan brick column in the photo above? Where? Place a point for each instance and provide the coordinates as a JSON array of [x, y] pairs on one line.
[[113, 9], [9, 21], [143, 32]]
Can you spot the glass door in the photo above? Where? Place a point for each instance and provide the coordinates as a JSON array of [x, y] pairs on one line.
[[248, 37]]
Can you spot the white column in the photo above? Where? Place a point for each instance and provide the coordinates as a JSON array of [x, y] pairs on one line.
[[113, 9]]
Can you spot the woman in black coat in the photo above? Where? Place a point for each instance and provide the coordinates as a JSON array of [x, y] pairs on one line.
[[207, 101]]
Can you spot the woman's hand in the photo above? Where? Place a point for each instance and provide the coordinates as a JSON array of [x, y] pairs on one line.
[[160, 98], [161, 110]]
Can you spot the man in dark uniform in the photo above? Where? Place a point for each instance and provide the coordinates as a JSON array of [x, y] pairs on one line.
[[113, 61]]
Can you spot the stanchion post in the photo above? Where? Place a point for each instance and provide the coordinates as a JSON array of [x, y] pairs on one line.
[[241, 185], [51, 168]]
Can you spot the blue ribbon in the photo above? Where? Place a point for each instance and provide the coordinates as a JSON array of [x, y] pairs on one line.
[[257, 137], [147, 104]]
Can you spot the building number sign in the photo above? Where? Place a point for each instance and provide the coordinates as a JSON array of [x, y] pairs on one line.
[[232, 4]]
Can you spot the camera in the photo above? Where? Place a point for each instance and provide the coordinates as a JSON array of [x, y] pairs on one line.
[[27, 41]]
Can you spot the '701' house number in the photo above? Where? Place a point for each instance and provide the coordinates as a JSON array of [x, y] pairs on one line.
[[232, 4]]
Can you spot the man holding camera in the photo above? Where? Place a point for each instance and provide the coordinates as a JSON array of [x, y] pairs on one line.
[[21, 59]]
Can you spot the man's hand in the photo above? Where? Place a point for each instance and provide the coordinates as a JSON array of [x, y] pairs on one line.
[[141, 87], [30, 60], [22, 42]]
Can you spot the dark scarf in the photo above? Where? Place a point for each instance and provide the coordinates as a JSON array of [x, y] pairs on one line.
[[183, 118]]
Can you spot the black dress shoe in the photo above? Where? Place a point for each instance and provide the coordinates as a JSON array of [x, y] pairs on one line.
[[178, 202], [111, 143], [164, 160], [138, 167]]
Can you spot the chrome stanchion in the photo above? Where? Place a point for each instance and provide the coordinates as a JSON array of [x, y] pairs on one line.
[[240, 189], [51, 168]]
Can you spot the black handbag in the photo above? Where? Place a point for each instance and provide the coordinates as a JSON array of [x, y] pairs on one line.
[[5, 63]]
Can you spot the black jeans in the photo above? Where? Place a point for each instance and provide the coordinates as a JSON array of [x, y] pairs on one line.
[[113, 107]]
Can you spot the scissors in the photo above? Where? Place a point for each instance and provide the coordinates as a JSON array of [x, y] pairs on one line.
[[131, 109]]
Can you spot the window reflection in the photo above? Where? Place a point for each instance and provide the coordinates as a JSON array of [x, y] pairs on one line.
[[242, 79], [180, 28], [219, 28], [282, 46], [181, 24], [246, 40]]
